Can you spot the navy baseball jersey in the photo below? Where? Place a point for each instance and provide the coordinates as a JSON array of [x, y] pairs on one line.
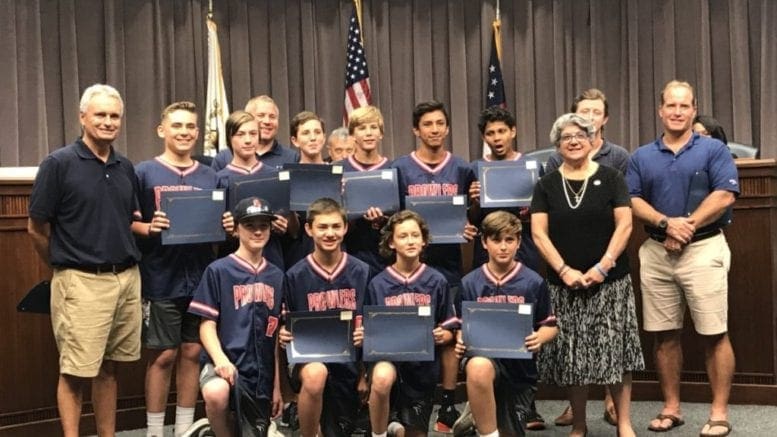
[[169, 272], [520, 285], [362, 239], [273, 251], [450, 177], [426, 286], [310, 287], [245, 303], [527, 252]]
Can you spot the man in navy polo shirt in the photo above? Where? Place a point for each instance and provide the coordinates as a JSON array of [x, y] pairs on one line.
[[82, 204], [686, 259], [270, 151]]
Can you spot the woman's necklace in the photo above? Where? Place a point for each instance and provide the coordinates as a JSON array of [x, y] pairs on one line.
[[569, 189]]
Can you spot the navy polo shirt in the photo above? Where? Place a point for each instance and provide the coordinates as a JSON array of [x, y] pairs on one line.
[[662, 178], [275, 157], [90, 205]]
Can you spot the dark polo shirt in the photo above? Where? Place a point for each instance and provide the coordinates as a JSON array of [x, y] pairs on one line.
[[89, 204]]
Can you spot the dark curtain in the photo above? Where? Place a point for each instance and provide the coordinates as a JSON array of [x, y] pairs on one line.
[[155, 52]]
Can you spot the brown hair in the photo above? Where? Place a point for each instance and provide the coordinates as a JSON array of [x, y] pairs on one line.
[[500, 223], [387, 233], [178, 106], [324, 205], [235, 120], [302, 118]]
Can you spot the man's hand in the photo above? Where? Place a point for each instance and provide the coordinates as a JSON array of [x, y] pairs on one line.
[[673, 246], [681, 229]]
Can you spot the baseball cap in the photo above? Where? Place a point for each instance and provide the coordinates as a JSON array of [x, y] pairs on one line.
[[251, 207]]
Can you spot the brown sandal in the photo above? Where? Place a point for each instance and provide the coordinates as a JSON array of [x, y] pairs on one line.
[[676, 421], [710, 423]]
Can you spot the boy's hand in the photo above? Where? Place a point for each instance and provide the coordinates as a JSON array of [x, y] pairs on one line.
[[460, 348], [375, 216], [441, 336], [158, 222], [280, 225], [358, 336], [533, 342], [277, 402], [474, 192], [284, 337], [228, 223], [226, 370], [470, 231]]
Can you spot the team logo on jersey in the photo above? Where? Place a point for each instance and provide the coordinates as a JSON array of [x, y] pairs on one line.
[[408, 299], [502, 299], [245, 294], [343, 299]]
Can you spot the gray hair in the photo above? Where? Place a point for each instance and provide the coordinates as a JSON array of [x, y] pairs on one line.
[[96, 90], [340, 133], [567, 120]]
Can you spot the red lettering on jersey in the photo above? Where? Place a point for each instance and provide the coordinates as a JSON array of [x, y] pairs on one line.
[[450, 189], [272, 324], [433, 189], [259, 292], [342, 299], [502, 299], [408, 299]]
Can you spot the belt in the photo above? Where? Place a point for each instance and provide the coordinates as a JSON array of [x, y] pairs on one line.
[[103, 268], [696, 237]]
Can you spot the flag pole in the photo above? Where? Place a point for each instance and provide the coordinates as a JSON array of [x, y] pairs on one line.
[[358, 5], [210, 9]]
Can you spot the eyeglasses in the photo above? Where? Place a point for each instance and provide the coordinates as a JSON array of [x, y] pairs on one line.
[[580, 136]]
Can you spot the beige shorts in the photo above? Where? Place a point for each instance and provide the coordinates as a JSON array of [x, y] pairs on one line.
[[95, 317], [697, 278]]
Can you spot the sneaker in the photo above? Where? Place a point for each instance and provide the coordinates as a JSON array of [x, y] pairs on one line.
[[535, 422], [394, 429], [200, 428], [465, 424], [446, 417], [289, 418], [565, 419]]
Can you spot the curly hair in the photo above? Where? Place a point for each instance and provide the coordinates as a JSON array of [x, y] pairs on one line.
[[387, 233]]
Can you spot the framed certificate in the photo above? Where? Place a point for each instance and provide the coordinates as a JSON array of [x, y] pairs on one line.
[[398, 333], [272, 188], [374, 188], [446, 216], [496, 330], [310, 182], [321, 336], [195, 216], [506, 184]]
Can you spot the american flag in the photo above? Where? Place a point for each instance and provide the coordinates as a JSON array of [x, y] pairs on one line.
[[495, 88], [357, 76]]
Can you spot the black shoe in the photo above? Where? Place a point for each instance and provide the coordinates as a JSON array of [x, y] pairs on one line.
[[534, 422], [446, 417], [289, 418]]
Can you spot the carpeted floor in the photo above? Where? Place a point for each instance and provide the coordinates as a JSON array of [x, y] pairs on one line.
[[747, 420]]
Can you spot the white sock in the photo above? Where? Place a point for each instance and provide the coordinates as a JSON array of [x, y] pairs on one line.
[[383, 434], [184, 417], [155, 424], [490, 434]]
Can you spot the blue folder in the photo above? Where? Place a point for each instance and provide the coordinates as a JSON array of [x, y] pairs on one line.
[[195, 216], [272, 188], [398, 333], [374, 188], [505, 184], [37, 300], [310, 182], [321, 336], [496, 330], [446, 216]]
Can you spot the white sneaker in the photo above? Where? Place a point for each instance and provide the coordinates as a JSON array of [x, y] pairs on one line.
[[200, 428], [465, 424], [394, 428]]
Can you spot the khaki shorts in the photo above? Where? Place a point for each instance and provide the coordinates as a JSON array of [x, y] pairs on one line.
[[697, 278], [95, 317]]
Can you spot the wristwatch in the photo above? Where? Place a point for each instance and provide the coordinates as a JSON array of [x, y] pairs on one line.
[[663, 223]]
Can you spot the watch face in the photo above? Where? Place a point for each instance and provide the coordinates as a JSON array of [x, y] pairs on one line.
[[663, 223]]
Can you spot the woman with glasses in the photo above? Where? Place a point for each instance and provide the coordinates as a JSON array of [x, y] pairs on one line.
[[581, 223]]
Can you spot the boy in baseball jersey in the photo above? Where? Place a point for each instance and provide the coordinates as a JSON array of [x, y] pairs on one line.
[[170, 274], [408, 387], [326, 279], [242, 131], [433, 171], [365, 125], [497, 388], [239, 301]]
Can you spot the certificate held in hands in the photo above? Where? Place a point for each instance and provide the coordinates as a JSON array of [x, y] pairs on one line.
[[272, 188], [195, 216], [497, 330], [445, 215], [505, 184], [321, 336], [366, 189], [310, 182], [398, 333]]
